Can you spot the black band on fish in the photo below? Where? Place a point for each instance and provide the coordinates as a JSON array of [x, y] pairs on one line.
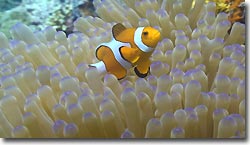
[[97, 51], [141, 75], [121, 78], [122, 55]]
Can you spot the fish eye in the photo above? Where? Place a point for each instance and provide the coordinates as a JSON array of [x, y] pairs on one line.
[[145, 33]]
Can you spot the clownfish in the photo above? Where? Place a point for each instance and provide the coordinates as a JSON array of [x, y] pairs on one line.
[[129, 47]]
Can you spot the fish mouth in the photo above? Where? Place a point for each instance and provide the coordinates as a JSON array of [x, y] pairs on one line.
[[155, 39], [157, 35]]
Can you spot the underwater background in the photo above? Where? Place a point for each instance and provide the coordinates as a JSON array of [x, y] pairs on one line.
[[38, 14]]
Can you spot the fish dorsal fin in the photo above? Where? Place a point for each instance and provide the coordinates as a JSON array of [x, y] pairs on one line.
[[117, 29]]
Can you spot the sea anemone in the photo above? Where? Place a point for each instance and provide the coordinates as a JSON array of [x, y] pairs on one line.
[[195, 89]]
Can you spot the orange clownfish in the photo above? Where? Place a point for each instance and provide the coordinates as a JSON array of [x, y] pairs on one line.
[[129, 47]]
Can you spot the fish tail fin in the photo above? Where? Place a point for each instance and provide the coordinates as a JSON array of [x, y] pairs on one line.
[[100, 66]]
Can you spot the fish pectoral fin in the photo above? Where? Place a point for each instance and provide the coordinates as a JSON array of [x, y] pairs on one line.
[[135, 59], [130, 54]]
